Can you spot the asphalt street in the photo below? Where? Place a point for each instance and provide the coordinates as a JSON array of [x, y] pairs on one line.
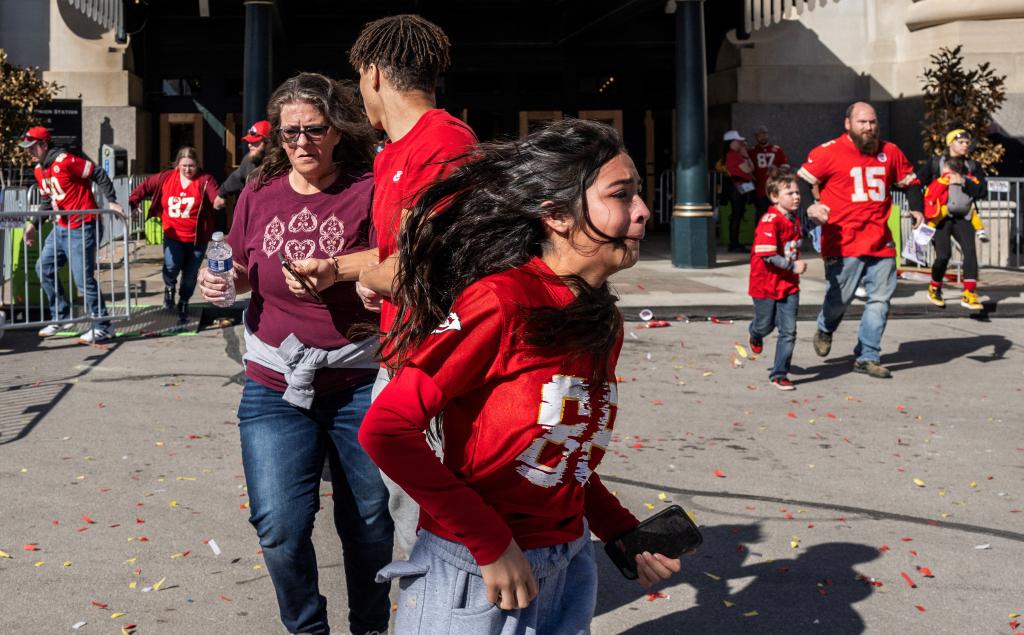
[[849, 505]]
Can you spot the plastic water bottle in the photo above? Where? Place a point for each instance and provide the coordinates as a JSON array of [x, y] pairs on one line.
[[218, 261]]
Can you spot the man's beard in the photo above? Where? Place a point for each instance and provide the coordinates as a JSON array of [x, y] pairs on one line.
[[867, 143]]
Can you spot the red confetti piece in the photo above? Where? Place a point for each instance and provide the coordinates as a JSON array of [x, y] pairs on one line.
[[788, 516], [907, 578], [840, 520], [830, 415], [791, 414], [925, 571], [782, 569], [224, 598], [637, 445], [658, 402], [114, 526], [810, 525], [101, 405], [906, 540], [139, 521], [81, 529], [884, 548], [99, 605], [86, 519], [719, 473], [657, 596], [54, 522], [919, 607], [715, 320], [1014, 624], [913, 553], [32, 546]]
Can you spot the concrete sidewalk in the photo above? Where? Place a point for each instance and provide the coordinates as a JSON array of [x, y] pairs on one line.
[[655, 284]]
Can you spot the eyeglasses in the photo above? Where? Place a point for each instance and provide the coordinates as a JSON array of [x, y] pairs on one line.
[[313, 133]]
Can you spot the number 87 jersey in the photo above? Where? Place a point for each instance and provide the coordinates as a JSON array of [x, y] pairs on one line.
[[855, 187]]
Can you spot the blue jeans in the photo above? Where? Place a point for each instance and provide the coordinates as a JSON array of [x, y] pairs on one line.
[[772, 314], [842, 275], [183, 258], [283, 452], [77, 248]]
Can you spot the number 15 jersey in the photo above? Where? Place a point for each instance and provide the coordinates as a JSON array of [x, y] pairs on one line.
[[855, 186]]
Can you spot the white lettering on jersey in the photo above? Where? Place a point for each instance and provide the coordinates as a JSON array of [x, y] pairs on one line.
[[451, 323], [765, 159], [176, 203], [397, 177], [874, 178], [576, 444]]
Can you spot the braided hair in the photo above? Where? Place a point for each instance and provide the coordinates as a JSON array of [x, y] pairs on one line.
[[409, 50]]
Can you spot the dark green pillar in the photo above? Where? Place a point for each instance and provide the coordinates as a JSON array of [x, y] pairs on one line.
[[693, 244], [256, 89]]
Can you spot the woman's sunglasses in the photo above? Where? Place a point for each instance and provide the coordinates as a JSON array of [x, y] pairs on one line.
[[313, 134]]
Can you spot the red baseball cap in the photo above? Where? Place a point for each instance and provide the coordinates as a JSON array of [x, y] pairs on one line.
[[34, 134], [258, 132]]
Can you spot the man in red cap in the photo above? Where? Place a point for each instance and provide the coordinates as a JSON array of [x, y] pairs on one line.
[[235, 183], [65, 181]]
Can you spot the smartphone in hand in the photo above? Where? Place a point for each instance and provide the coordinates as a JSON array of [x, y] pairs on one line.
[[302, 279], [670, 532]]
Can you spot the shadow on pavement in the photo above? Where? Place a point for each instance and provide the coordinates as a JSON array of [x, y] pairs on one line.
[[914, 354], [814, 592]]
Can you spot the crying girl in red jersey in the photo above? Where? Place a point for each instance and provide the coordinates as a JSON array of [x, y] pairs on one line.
[[510, 335]]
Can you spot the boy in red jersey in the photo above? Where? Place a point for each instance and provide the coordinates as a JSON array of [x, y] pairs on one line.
[[767, 157], [854, 173], [775, 269], [65, 181], [510, 329], [398, 59]]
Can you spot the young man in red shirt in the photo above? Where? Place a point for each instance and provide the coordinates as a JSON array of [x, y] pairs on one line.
[[767, 158], [854, 174], [399, 59], [65, 181], [775, 269]]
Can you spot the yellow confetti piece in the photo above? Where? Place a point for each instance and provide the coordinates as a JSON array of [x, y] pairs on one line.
[[714, 577], [1014, 616], [942, 492], [662, 496], [177, 555], [4, 554], [649, 505], [728, 604], [946, 514], [172, 504], [68, 563], [132, 585], [114, 616], [257, 566], [40, 563], [741, 351], [156, 587], [708, 374], [750, 614], [794, 542], [186, 478], [125, 631], [80, 478], [692, 516], [615, 494], [974, 484], [810, 465], [24, 470], [131, 560], [918, 482]]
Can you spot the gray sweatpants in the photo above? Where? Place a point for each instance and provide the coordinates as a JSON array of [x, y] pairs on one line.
[[404, 510], [442, 591]]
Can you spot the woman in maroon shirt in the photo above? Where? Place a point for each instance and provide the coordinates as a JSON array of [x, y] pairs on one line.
[[308, 376]]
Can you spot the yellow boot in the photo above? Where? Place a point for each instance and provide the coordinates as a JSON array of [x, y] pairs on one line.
[[969, 300]]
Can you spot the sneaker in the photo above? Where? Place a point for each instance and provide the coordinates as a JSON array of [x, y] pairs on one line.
[[982, 235], [97, 334], [935, 295], [861, 292], [783, 383], [822, 343], [872, 369], [969, 300], [756, 344], [52, 329]]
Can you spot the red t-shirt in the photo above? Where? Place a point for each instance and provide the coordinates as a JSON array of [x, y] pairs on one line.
[[766, 157], [66, 183], [733, 161], [406, 167], [523, 429], [180, 208], [855, 187], [775, 234], [276, 218]]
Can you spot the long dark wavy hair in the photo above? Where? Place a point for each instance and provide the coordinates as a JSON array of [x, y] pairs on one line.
[[339, 103], [494, 207]]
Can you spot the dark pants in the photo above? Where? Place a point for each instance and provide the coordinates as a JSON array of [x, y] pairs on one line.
[[738, 204], [283, 452], [761, 204], [183, 258], [963, 231], [772, 314]]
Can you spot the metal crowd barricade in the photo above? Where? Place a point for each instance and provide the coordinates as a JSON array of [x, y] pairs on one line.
[[23, 299], [1001, 215]]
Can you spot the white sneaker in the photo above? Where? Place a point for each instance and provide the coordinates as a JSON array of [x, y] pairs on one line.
[[97, 334], [53, 329], [982, 235], [861, 292]]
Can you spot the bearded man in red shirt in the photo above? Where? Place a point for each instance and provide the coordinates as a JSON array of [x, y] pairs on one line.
[[853, 174]]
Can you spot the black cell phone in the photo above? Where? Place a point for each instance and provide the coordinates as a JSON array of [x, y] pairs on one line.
[[302, 279], [670, 532]]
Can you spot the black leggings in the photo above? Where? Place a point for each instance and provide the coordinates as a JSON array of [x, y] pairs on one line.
[[963, 231], [738, 203]]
